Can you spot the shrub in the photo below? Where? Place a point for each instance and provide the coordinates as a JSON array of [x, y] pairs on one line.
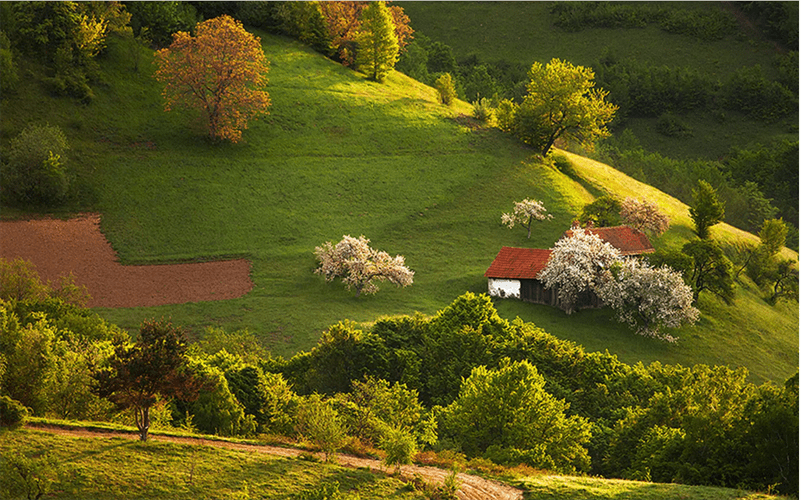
[[446, 88], [482, 110], [749, 91], [8, 69], [34, 172], [12, 413], [672, 126]]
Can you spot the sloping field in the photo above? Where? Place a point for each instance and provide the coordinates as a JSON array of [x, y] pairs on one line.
[[339, 155]]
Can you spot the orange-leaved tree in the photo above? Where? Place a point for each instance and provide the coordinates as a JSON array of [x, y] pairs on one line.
[[221, 71]]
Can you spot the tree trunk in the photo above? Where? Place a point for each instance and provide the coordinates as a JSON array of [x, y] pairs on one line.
[[143, 422], [529, 227]]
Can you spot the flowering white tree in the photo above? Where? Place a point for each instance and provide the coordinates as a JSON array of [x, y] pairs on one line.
[[576, 265], [644, 216], [524, 213], [360, 266], [648, 298]]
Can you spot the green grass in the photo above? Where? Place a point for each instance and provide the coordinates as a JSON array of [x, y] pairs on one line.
[[340, 155], [119, 468], [521, 32], [586, 488]]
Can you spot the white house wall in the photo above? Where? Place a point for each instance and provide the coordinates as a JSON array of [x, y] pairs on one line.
[[504, 288]]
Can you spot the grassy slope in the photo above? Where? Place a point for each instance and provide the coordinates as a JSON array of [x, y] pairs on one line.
[[118, 468], [339, 155], [521, 32]]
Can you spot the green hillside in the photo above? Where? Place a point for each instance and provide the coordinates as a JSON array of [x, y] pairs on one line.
[[525, 32], [118, 468], [341, 155]]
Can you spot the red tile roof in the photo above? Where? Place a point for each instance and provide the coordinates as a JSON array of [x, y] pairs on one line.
[[628, 240], [518, 263]]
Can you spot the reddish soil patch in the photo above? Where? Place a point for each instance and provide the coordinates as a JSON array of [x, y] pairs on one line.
[[60, 247]]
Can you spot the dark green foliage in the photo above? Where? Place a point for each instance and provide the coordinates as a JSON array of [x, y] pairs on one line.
[[215, 410], [34, 171], [707, 430], [342, 355], [157, 21], [711, 270], [8, 69], [156, 365], [440, 58], [750, 92], [12, 413], [641, 89], [778, 19], [774, 169], [603, 212], [672, 126], [706, 210], [301, 20], [706, 24]]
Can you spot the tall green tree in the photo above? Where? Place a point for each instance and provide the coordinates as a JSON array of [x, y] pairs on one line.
[[707, 209], [377, 41], [507, 409], [155, 365], [711, 270], [562, 102]]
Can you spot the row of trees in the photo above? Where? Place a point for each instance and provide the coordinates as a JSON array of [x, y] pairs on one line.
[[514, 394]]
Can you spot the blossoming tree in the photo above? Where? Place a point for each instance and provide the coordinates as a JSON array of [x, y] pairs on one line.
[[576, 265], [360, 266], [524, 213], [644, 216], [648, 298]]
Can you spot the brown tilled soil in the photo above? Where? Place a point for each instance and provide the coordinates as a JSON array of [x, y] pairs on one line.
[[472, 487], [60, 247]]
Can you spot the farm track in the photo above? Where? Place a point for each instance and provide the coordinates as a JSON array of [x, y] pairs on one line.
[[472, 487]]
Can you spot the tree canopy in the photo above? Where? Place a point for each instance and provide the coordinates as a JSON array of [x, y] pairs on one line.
[[707, 209], [377, 42], [561, 102], [221, 72], [136, 374]]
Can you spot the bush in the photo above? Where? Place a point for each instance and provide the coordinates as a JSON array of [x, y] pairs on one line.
[[446, 89], [672, 126], [749, 91], [34, 172], [12, 413], [482, 110]]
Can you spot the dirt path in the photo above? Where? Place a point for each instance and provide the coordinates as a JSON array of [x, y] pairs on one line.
[[60, 247], [472, 487]]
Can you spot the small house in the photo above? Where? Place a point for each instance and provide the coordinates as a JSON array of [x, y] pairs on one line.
[[513, 273]]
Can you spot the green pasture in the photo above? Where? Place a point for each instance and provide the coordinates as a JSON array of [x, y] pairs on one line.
[[340, 155]]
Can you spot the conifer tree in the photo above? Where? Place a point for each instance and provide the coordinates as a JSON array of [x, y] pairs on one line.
[[378, 43]]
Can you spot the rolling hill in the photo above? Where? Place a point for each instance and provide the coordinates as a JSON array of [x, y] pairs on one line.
[[341, 155]]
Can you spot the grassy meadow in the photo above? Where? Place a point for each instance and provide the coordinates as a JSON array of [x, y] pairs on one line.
[[340, 155]]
